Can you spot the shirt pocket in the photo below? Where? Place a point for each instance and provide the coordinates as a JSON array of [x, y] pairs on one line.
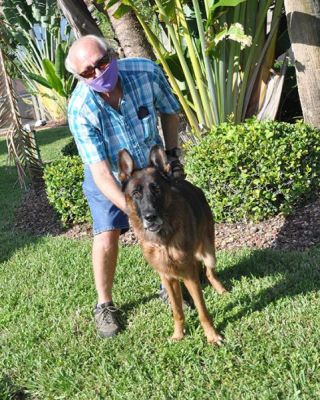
[[149, 128]]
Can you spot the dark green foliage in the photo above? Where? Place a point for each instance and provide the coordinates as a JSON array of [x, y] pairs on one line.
[[256, 169], [70, 149], [63, 181]]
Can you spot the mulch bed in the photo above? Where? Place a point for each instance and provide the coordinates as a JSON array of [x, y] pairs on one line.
[[299, 231]]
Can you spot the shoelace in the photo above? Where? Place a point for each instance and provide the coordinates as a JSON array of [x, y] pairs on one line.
[[109, 314]]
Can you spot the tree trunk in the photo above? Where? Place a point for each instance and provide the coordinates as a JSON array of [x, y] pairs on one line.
[[128, 32], [79, 17], [303, 19]]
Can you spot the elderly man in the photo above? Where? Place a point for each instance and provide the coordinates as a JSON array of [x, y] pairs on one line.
[[115, 106]]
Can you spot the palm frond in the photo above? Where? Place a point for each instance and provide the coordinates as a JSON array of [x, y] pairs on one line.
[[22, 149]]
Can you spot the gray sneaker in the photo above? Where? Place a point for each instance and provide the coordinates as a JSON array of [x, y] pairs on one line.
[[107, 320]]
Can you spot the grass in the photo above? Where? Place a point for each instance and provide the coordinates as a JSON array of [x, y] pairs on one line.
[[50, 350], [51, 143]]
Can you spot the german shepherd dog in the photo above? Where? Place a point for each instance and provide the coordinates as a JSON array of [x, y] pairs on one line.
[[175, 228]]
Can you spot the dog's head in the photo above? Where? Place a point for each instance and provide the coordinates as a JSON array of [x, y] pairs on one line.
[[147, 190]]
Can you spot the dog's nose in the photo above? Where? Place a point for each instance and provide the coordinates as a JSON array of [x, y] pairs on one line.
[[150, 217]]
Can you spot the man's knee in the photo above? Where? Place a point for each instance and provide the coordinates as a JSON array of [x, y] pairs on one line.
[[106, 241]]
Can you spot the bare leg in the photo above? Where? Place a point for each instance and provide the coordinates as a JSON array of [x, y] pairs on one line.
[[174, 291], [104, 259], [194, 288]]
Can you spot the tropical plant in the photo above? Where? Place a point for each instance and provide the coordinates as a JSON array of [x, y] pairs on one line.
[[54, 76], [215, 53], [22, 148], [39, 44]]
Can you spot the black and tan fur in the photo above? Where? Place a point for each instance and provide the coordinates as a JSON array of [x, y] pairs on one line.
[[175, 227]]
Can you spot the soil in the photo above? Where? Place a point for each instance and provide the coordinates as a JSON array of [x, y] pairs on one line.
[[299, 231]]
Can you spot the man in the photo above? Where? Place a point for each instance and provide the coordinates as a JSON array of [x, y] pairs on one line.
[[114, 106]]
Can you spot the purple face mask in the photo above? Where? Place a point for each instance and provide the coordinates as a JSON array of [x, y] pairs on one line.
[[107, 81]]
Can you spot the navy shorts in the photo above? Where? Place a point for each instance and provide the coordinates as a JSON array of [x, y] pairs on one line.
[[105, 215]]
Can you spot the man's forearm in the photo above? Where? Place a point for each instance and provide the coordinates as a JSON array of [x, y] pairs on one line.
[[170, 124]]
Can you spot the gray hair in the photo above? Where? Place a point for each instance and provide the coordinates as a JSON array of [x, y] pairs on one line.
[[104, 45]]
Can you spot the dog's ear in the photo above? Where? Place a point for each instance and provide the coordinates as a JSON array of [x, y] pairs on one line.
[[158, 159], [125, 165]]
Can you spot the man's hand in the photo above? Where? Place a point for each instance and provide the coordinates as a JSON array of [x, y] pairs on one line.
[[177, 169], [105, 181]]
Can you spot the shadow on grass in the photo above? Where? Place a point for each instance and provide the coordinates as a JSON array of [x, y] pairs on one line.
[[12, 200], [3, 146], [296, 273], [44, 137], [50, 135], [128, 307], [12, 242], [10, 391]]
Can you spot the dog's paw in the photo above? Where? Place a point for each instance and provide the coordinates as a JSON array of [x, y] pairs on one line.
[[216, 341], [176, 337]]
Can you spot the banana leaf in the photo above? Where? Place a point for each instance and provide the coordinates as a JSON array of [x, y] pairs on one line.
[[53, 79], [59, 62], [39, 79]]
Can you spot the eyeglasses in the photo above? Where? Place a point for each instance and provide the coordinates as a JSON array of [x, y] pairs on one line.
[[90, 72]]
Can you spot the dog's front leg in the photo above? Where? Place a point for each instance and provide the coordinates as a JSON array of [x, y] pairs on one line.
[[193, 286], [174, 292]]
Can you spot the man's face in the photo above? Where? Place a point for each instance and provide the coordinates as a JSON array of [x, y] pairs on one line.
[[89, 60]]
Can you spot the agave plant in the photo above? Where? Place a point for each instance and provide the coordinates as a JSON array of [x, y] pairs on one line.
[[213, 53], [40, 46], [55, 82]]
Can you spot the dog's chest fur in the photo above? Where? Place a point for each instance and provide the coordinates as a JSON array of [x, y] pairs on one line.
[[166, 259], [166, 255]]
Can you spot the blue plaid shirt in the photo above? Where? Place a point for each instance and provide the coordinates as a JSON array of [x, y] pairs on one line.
[[101, 132]]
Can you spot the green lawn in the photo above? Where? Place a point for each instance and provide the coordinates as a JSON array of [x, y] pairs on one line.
[[50, 350], [52, 141]]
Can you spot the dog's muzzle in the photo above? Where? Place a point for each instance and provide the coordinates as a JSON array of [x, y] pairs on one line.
[[152, 222]]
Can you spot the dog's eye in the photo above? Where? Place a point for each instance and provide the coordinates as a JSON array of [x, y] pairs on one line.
[[136, 194], [154, 188]]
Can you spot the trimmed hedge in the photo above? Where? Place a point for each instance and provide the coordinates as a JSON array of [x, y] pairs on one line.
[[249, 171], [256, 169], [63, 182], [70, 149]]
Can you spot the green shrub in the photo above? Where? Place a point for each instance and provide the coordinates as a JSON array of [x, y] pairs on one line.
[[63, 182], [70, 149], [256, 169]]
